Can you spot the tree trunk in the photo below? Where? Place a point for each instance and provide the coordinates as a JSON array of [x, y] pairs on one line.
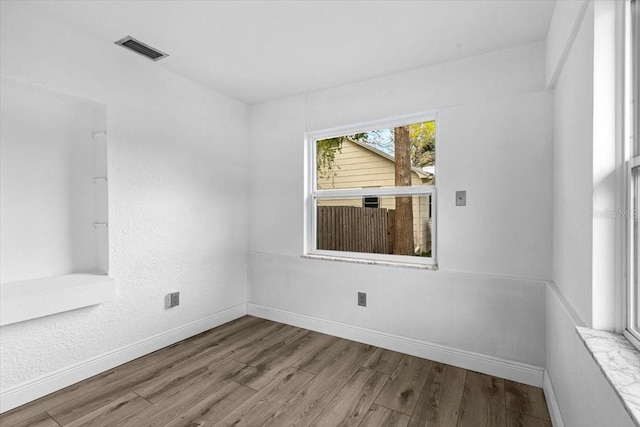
[[403, 241]]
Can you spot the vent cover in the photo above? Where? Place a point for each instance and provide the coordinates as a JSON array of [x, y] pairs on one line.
[[141, 48]]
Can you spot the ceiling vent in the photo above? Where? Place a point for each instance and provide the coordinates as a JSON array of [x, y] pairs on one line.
[[141, 48]]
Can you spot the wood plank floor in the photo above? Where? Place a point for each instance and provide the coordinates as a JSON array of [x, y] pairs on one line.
[[254, 372]]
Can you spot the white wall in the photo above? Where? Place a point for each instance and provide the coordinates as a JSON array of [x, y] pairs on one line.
[[177, 194], [573, 173], [565, 23], [494, 141], [584, 248], [584, 396], [47, 207]]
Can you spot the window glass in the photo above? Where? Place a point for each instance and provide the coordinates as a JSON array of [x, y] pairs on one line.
[[372, 158], [344, 225], [373, 193]]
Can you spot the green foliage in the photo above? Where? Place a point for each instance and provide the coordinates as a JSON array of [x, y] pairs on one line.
[[421, 135], [423, 144], [326, 155], [327, 149]]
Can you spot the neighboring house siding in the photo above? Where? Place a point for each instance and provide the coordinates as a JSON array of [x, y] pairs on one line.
[[358, 167]]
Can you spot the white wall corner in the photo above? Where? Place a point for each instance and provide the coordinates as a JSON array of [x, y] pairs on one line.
[[552, 401], [566, 306], [566, 20]]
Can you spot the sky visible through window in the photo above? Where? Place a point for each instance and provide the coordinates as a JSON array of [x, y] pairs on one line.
[[383, 140]]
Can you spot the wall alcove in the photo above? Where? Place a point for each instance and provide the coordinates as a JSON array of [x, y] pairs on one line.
[[54, 243]]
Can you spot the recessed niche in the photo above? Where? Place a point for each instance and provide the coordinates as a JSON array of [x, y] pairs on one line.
[[53, 185]]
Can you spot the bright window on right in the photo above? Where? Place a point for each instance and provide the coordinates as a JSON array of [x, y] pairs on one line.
[[633, 173]]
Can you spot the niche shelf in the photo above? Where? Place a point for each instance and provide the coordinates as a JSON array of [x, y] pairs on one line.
[[54, 244], [30, 299]]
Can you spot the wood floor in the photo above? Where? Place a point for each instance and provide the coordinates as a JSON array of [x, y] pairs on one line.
[[254, 372]]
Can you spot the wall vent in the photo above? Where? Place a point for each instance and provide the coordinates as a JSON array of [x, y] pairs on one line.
[[141, 48]]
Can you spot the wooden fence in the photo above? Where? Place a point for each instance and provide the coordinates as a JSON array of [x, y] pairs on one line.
[[355, 229]]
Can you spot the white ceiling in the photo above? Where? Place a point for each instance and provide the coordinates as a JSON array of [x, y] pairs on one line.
[[261, 50]]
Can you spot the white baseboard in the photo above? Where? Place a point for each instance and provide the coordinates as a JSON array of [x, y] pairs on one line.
[[46, 384], [552, 402], [514, 371]]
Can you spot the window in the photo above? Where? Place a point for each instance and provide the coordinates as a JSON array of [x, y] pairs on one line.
[[633, 176], [371, 193], [371, 202]]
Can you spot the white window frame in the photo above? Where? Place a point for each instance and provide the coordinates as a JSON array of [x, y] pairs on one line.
[[312, 194], [632, 81], [633, 283]]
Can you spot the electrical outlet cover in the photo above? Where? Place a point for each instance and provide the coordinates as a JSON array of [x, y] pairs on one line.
[[175, 299], [362, 299]]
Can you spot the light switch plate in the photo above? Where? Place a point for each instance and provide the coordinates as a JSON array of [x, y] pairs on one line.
[[461, 198]]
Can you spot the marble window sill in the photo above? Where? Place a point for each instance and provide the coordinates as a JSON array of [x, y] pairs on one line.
[[619, 361], [370, 261]]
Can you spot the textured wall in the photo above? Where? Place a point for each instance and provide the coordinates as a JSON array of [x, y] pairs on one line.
[[581, 256], [177, 194], [494, 124], [48, 197]]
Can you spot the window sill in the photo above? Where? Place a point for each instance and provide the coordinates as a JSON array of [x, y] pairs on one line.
[[371, 262], [31, 299], [619, 361]]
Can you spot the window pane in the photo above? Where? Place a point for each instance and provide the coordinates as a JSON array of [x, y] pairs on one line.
[[371, 159], [400, 226]]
